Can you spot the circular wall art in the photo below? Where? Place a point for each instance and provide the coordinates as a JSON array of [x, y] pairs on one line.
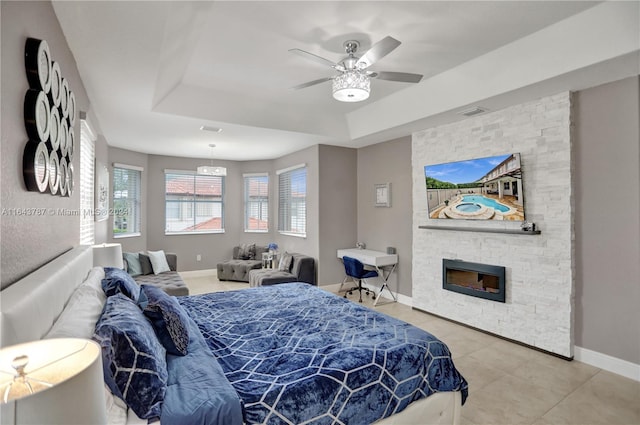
[[54, 173], [71, 139], [37, 61], [62, 173], [70, 185], [64, 98], [71, 106], [35, 167], [64, 137], [54, 130], [56, 83], [36, 115], [50, 112]]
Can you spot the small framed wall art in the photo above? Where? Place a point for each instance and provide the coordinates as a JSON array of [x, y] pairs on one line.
[[102, 192], [383, 195]]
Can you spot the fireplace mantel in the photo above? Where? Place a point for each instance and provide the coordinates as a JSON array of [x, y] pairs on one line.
[[483, 229]]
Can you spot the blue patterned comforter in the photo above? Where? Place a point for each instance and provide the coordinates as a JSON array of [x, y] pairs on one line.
[[296, 353]]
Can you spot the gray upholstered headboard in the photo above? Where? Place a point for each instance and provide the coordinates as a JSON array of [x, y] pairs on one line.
[[29, 307]]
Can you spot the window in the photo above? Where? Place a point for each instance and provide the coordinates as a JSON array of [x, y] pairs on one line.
[[292, 200], [87, 157], [126, 200], [194, 203], [256, 202]]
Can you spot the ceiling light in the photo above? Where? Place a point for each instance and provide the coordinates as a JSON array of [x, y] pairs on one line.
[[212, 170], [351, 86]]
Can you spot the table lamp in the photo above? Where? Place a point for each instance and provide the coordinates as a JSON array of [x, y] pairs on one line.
[[52, 381], [107, 255]]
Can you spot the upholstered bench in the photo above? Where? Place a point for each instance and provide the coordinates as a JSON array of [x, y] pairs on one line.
[[238, 268], [301, 269], [170, 282]]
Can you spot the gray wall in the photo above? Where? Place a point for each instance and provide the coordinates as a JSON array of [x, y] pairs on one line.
[[30, 241], [607, 219], [214, 248], [337, 218], [380, 227]]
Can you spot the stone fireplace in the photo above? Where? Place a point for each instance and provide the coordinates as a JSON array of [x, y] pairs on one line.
[[539, 268]]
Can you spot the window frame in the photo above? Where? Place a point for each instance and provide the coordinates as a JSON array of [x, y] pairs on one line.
[[194, 204], [136, 200], [285, 200], [262, 202]]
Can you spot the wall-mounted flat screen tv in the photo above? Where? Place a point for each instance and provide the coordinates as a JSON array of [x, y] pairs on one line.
[[488, 188]]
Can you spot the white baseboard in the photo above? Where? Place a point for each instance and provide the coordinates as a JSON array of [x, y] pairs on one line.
[[199, 273], [608, 363], [402, 299]]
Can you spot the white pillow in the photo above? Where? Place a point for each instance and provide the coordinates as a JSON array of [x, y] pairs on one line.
[[94, 279], [80, 315], [158, 261]]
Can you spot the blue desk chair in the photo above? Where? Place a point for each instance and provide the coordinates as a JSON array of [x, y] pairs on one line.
[[355, 270]]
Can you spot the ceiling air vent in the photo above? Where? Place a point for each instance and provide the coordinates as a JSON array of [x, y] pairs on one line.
[[475, 110], [209, 128]]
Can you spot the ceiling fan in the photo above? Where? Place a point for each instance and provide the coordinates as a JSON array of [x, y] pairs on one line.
[[352, 83]]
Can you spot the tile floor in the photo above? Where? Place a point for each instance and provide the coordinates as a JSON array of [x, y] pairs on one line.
[[509, 384]]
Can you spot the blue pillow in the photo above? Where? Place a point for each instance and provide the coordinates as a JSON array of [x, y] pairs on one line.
[[118, 281], [134, 362], [168, 319], [134, 268]]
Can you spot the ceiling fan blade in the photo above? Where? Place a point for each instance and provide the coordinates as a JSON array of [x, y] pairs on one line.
[[403, 77], [379, 50], [317, 59], [311, 83]]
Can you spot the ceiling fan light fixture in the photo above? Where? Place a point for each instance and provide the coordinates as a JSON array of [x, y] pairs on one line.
[[351, 86]]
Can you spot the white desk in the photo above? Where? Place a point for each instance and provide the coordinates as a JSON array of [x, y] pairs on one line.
[[384, 264]]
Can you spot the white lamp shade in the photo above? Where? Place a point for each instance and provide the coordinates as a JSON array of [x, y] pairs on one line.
[[72, 368], [108, 255], [351, 86]]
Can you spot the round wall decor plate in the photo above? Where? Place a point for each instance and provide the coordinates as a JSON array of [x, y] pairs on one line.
[[35, 166], [36, 115], [54, 173], [71, 106], [37, 61], [71, 141], [54, 130], [64, 98], [70, 173], [62, 173], [64, 137], [56, 83]]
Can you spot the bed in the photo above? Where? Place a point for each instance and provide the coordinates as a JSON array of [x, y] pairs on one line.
[[290, 353]]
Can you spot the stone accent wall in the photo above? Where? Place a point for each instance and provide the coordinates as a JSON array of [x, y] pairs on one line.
[[539, 269]]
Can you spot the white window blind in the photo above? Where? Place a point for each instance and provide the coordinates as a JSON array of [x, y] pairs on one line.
[[126, 200], [194, 203], [256, 202], [292, 200], [87, 159]]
